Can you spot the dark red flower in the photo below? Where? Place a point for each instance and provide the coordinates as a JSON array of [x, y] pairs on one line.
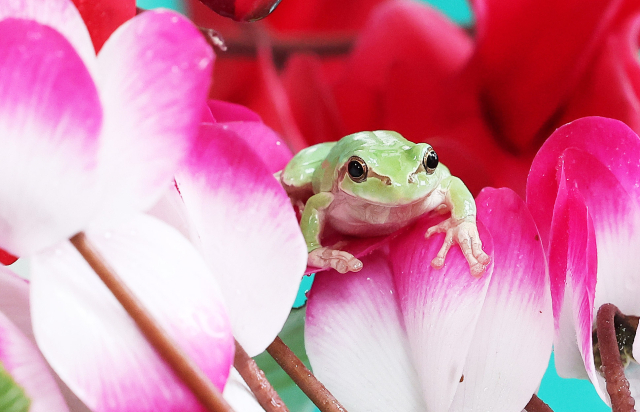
[[486, 101]]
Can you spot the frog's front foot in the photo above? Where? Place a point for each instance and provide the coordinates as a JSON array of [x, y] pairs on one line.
[[339, 260], [465, 233]]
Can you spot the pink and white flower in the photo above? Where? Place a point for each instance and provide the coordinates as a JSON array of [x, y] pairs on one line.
[[401, 335], [584, 193], [86, 143], [228, 203]]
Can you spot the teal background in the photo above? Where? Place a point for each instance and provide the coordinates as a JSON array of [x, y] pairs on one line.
[[562, 395]]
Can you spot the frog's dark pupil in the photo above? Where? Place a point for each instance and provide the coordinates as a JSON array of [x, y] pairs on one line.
[[432, 160], [355, 169]]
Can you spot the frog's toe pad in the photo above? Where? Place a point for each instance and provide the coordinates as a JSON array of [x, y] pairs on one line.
[[339, 260]]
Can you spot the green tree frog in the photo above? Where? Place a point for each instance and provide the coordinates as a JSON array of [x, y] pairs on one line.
[[374, 183]]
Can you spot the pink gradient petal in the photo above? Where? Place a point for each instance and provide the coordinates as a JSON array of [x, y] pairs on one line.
[[514, 332], [616, 221], [572, 266], [440, 308], [50, 118], [20, 357], [156, 70], [248, 233], [264, 142], [95, 347], [14, 301], [225, 112], [356, 340], [610, 141], [60, 15]]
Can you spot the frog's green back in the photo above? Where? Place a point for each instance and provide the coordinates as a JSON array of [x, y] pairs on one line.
[[299, 171]]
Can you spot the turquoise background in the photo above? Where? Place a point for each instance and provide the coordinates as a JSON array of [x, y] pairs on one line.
[[562, 395]]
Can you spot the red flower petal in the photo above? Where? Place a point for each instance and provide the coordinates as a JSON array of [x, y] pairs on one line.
[[102, 17]]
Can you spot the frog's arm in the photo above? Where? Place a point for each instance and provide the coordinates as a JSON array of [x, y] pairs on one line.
[[311, 224], [297, 176], [461, 227], [313, 217]]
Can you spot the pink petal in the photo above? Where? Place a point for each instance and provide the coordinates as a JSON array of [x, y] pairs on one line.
[[264, 142], [616, 219], [610, 141], [440, 308], [572, 266], [356, 341], [156, 71], [50, 118], [14, 301], [248, 233], [60, 15], [511, 345], [225, 112], [18, 354], [94, 345]]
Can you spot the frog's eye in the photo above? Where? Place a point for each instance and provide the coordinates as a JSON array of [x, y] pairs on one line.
[[357, 169], [430, 161]]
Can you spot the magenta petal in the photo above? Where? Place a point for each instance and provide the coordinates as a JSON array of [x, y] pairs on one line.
[[572, 267], [271, 149], [50, 117], [610, 141], [156, 70], [225, 112], [616, 219], [514, 332], [93, 344], [356, 341], [60, 15], [247, 232], [440, 308]]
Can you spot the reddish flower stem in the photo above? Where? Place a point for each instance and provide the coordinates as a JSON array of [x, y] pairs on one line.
[[537, 405], [303, 377], [254, 377], [186, 370], [612, 367]]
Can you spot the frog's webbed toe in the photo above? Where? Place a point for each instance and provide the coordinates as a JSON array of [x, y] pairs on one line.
[[339, 260], [464, 233]]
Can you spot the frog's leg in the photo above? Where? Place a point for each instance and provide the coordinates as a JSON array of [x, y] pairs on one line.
[[297, 176], [311, 224], [461, 227]]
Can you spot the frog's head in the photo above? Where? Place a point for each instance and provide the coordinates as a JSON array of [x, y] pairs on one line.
[[383, 167]]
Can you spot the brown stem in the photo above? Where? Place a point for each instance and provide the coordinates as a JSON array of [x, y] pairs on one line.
[[537, 405], [612, 367], [165, 346], [267, 397], [303, 377]]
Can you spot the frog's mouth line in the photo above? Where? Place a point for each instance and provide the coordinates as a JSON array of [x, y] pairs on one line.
[[397, 202]]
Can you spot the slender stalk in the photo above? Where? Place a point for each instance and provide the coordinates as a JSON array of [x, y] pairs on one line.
[[190, 374], [537, 405], [303, 377], [254, 377], [612, 367]]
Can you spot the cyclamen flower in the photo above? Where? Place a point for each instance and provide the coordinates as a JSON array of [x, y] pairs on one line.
[[87, 143], [485, 101], [401, 335], [584, 193], [228, 203]]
